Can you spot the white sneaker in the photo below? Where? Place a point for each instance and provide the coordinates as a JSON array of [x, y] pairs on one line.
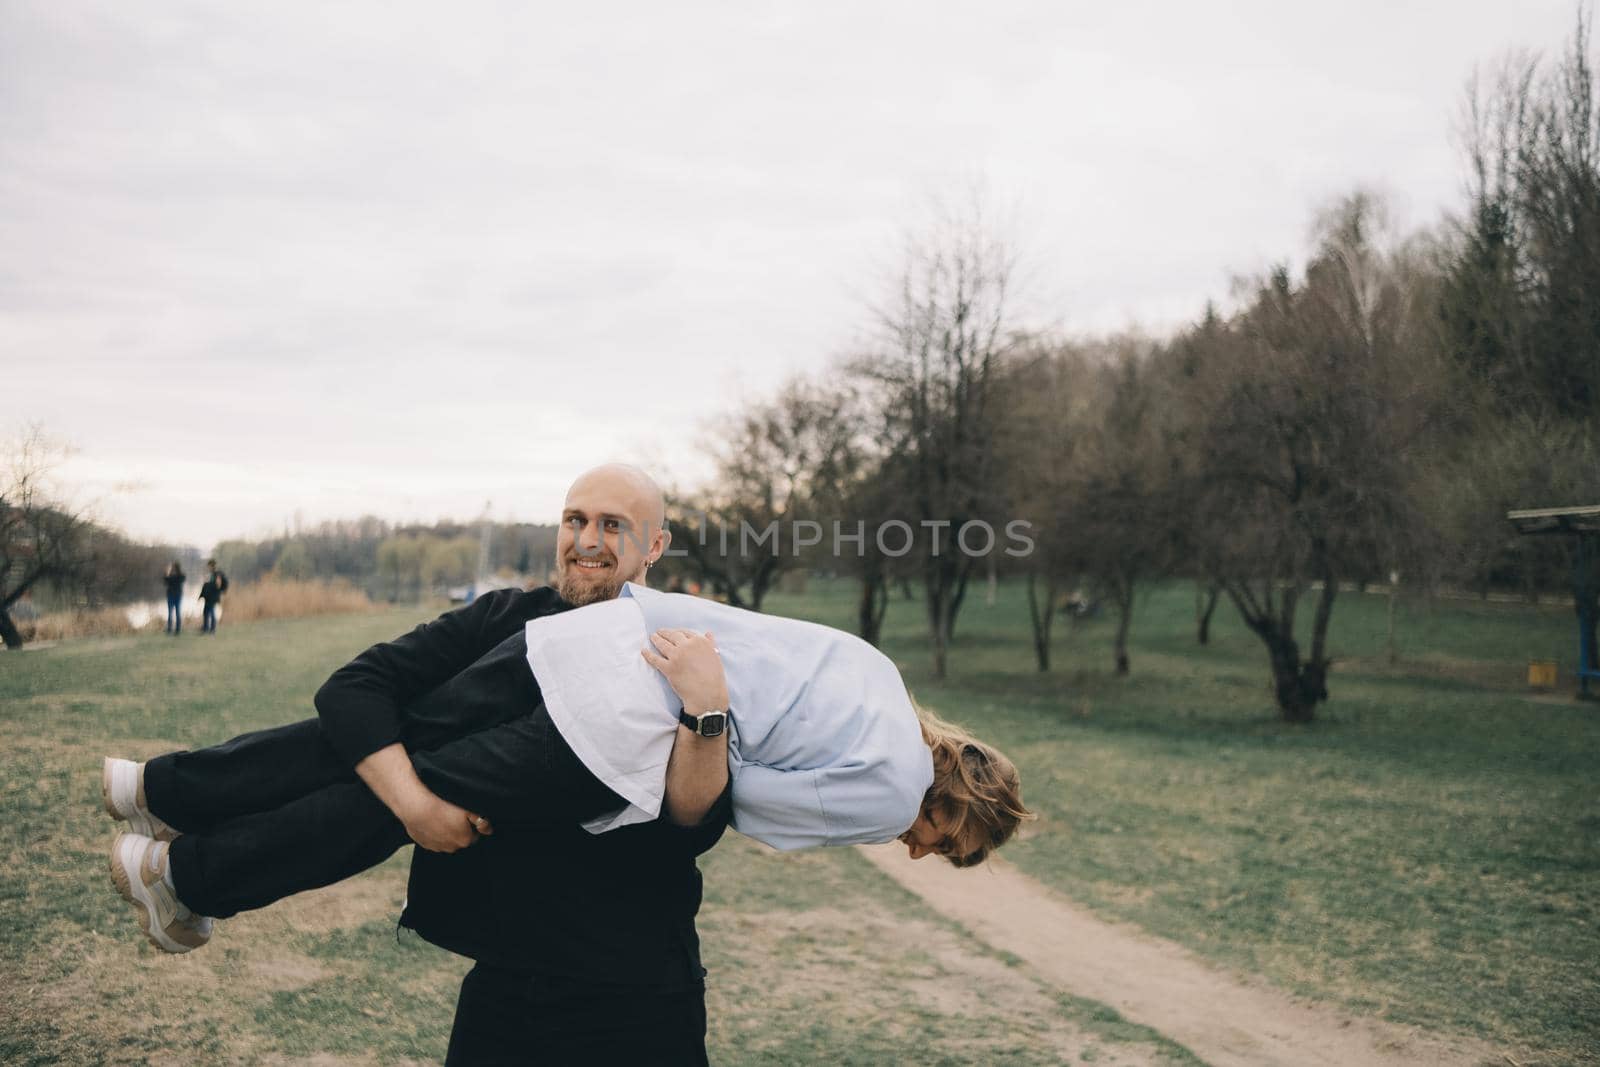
[[122, 792], [138, 870]]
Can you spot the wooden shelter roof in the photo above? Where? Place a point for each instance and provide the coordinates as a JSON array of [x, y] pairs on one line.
[[1575, 520]]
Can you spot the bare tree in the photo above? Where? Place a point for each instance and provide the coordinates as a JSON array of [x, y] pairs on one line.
[[1128, 519], [1310, 413], [1483, 303], [1558, 176], [862, 487], [1046, 398], [1088, 458], [774, 463], [1521, 307], [1177, 364], [944, 335], [42, 540]]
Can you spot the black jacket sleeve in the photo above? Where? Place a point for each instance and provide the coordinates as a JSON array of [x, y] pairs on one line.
[[699, 838], [362, 706]]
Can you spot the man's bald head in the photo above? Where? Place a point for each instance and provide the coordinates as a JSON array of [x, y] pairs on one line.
[[619, 479], [613, 527]]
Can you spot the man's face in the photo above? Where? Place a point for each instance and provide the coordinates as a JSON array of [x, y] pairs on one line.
[[607, 534]]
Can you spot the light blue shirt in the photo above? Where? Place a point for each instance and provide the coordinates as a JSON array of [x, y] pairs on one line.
[[824, 748]]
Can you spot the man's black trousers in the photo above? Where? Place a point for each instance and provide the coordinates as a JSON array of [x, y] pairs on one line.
[[508, 1017]]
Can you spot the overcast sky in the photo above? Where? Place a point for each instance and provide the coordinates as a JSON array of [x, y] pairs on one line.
[[407, 259]]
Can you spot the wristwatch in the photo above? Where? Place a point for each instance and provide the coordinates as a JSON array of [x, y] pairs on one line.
[[711, 724]]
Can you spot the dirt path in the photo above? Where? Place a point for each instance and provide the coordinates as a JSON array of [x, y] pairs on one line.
[[1220, 1019]]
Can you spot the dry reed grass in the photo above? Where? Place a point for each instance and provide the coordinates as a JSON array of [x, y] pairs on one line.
[[269, 598], [96, 622], [274, 599]]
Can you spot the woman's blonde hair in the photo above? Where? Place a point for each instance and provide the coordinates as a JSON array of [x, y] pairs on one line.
[[976, 791]]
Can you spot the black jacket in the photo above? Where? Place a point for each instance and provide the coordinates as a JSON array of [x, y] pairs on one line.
[[614, 908]]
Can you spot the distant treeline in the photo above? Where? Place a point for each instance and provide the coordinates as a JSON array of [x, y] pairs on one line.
[[395, 561]]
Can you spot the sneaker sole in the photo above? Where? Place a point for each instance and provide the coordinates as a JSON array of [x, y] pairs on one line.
[[124, 855], [119, 877], [139, 824]]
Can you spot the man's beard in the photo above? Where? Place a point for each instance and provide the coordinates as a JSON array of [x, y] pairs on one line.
[[579, 587]]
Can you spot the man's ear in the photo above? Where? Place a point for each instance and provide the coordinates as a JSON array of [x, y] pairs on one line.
[[665, 537]]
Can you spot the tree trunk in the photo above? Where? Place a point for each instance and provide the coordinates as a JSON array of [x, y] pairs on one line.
[[1297, 687], [1205, 607], [958, 574], [1123, 590], [1393, 651], [882, 609], [871, 606], [1318, 663], [730, 589], [1042, 620], [8, 631], [938, 623], [1294, 687], [762, 580], [864, 613], [1586, 599]]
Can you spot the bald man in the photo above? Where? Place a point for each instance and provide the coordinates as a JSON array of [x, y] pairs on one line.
[[585, 945]]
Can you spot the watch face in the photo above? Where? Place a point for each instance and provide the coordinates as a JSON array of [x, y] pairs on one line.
[[712, 723]]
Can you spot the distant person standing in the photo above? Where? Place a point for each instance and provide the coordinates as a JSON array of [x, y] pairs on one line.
[[211, 592], [174, 579]]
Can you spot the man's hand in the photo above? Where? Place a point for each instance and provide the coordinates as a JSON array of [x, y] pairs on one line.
[[440, 826], [691, 664], [433, 822], [697, 770]]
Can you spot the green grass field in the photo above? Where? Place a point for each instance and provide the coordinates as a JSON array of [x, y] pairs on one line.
[[814, 957], [1428, 851]]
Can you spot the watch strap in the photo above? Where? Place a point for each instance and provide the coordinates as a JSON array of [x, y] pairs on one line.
[[693, 721]]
